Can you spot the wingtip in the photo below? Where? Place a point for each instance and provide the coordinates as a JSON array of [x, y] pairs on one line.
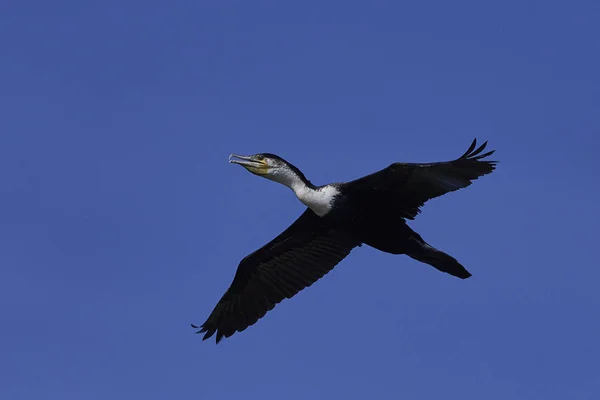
[[201, 328], [474, 153], [471, 147]]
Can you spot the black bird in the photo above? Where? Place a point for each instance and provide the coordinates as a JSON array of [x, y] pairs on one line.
[[340, 216]]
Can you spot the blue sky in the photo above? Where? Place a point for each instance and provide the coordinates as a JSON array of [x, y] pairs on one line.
[[121, 222]]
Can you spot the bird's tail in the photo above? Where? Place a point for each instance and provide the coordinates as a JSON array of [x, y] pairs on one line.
[[422, 251]]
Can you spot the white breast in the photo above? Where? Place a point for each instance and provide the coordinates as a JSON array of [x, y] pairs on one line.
[[320, 200]]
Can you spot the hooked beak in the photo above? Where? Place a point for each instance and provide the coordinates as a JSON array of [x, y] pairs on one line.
[[250, 163]]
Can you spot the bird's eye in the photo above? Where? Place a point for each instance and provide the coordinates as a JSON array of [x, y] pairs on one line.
[[260, 157]]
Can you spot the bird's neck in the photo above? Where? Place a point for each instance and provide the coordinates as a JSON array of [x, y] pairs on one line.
[[320, 200]]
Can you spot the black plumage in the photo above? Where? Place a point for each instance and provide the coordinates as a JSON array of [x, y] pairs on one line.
[[370, 210]]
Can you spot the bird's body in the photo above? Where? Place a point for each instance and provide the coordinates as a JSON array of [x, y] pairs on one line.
[[371, 210]]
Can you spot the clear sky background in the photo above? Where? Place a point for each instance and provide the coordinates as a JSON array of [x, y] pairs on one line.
[[121, 221]]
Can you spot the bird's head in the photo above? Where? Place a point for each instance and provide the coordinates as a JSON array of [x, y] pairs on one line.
[[270, 166]]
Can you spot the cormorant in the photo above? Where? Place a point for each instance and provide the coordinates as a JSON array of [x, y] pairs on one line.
[[371, 210]]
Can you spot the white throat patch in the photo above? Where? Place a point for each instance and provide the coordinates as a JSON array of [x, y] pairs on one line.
[[319, 200]]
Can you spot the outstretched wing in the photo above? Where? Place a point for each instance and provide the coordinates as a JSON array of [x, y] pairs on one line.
[[410, 185], [298, 257]]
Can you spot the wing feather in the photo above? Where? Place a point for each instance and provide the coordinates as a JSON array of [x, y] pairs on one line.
[[409, 185], [294, 260]]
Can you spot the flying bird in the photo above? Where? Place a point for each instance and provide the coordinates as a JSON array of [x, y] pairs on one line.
[[371, 210]]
